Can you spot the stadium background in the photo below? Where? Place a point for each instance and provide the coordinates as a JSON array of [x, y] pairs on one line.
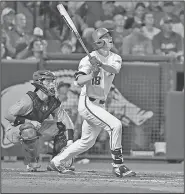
[[152, 82]]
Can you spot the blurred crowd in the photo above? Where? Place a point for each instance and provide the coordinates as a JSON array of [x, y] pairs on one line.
[[138, 28]]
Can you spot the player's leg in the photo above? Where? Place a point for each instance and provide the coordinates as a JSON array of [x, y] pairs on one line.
[[87, 140], [101, 118], [30, 147]]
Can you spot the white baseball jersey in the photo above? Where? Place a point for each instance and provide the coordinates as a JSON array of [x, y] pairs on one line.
[[99, 86]]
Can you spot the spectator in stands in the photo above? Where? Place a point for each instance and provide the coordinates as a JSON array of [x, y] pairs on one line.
[[20, 24], [119, 31], [168, 7], [162, 9], [136, 43], [66, 47], [178, 7], [87, 37], [68, 101], [181, 16], [62, 91], [79, 23], [93, 11], [8, 21], [137, 18], [119, 9], [139, 12], [167, 42], [37, 50], [56, 28], [148, 29], [108, 24], [20, 39], [38, 35], [156, 8], [129, 8], [179, 27], [90, 12], [8, 18], [109, 10]]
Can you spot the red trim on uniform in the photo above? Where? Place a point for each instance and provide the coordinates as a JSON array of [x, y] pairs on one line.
[[98, 118]]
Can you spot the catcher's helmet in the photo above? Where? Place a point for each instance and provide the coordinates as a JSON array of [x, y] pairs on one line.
[[97, 36], [38, 81]]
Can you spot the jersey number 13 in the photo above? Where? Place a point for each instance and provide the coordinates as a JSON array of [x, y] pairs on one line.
[[96, 80]]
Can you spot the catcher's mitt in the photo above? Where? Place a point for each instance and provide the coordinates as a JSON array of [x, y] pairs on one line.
[[60, 141], [28, 132], [60, 144], [96, 64]]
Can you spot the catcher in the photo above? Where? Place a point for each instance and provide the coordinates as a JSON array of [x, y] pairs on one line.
[[30, 124]]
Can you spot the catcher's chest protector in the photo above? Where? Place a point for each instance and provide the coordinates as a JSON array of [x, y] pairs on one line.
[[41, 110]]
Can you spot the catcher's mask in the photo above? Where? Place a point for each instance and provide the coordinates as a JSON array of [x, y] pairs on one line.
[[45, 81], [102, 38]]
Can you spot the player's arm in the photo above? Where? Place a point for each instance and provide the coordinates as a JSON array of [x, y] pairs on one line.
[[15, 114], [84, 74], [62, 118], [113, 66]]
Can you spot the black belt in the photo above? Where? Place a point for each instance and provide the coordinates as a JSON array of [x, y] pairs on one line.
[[93, 99]]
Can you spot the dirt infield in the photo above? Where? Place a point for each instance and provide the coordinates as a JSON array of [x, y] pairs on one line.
[[94, 177]]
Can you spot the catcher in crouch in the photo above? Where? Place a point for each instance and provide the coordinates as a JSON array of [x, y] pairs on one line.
[[29, 123]]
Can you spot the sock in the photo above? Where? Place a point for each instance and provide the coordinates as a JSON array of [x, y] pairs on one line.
[[117, 156]]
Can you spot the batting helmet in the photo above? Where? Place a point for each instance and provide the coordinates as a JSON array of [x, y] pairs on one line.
[[97, 36], [39, 77]]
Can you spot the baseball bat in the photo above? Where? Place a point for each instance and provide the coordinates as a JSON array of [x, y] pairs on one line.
[[71, 25]]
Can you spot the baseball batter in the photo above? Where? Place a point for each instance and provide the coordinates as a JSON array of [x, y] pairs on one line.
[[29, 123], [95, 76]]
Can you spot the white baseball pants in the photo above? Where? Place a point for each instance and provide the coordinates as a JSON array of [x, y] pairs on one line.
[[96, 117]]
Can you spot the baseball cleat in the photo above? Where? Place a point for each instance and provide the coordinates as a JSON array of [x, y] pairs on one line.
[[72, 168], [32, 167], [122, 171], [142, 116], [60, 169]]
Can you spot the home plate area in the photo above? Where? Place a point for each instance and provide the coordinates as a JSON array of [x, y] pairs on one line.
[[95, 177]]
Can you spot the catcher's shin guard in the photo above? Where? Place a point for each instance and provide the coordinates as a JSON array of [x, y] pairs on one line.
[[30, 149], [29, 139]]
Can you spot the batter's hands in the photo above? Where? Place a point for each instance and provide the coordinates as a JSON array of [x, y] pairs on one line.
[[94, 61], [69, 142], [95, 66]]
